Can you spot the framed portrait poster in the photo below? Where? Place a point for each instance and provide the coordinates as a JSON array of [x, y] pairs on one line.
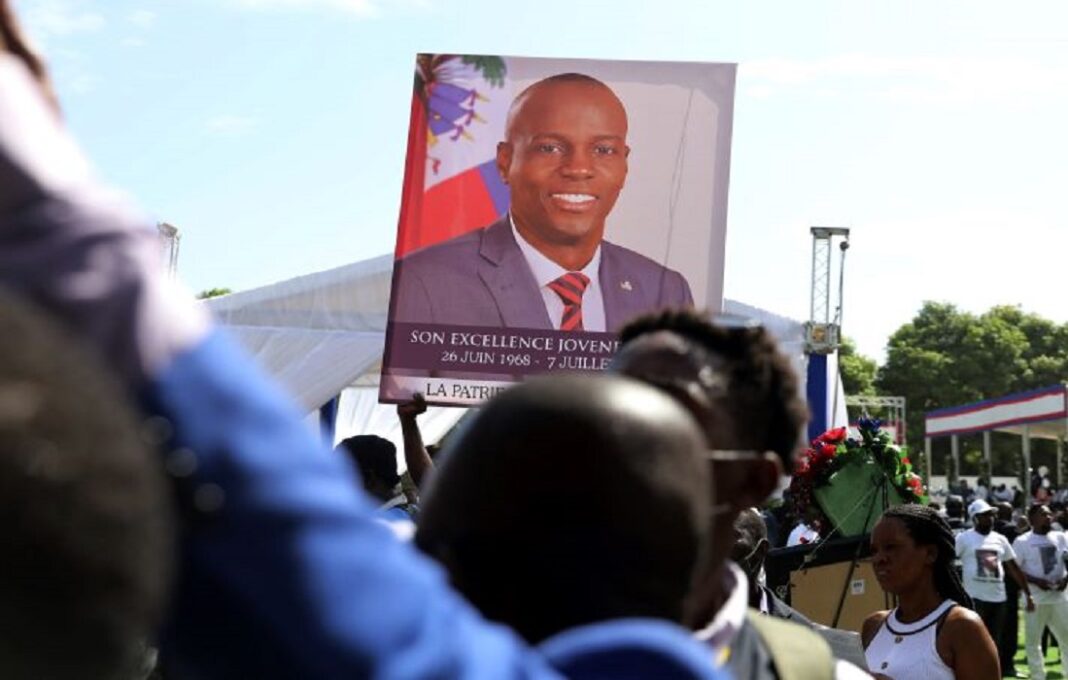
[[546, 203]]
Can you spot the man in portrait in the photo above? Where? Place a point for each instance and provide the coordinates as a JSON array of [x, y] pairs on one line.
[[545, 265]]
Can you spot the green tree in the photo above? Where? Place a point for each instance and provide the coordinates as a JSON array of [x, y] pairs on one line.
[[1046, 353], [213, 292], [946, 357], [858, 371]]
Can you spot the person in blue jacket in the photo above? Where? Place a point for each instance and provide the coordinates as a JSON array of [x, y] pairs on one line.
[[282, 570]]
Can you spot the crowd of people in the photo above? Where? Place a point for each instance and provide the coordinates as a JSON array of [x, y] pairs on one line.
[[162, 494], [1041, 490]]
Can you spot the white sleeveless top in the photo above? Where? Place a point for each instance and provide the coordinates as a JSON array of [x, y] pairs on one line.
[[906, 651]]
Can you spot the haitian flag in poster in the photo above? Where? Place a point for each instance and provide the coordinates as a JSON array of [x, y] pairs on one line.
[[451, 183], [546, 203]]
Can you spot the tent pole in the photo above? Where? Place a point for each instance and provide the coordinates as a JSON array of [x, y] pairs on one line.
[[927, 459], [1027, 465], [954, 455], [1060, 461], [988, 460]]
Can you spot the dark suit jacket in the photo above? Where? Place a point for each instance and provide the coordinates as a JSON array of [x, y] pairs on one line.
[[781, 610], [482, 279]]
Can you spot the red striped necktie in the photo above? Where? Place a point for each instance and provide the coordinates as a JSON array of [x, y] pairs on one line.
[[570, 288]]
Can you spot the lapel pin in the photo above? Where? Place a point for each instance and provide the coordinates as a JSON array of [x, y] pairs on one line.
[[625, 285]]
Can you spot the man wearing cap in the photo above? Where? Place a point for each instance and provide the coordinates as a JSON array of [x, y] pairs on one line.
[[985, 557]]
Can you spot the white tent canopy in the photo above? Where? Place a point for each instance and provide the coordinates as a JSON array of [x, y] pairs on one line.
[[322, 335], [317, 334]]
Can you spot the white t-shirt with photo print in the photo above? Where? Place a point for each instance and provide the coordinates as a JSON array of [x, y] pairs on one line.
[[981, 557], [1042, 556]]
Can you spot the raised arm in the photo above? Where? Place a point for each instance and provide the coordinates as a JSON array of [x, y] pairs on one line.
[[415, 456], [284, 572]]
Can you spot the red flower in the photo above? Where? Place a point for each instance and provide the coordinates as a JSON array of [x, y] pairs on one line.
[[905, 461], [827, 451], [835, 436], [915, 484]]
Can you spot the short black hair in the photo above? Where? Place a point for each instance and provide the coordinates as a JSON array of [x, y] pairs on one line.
[[752, 521], [762, 394], [1034, 509], [84, 507], [375, 457], [570, 499]]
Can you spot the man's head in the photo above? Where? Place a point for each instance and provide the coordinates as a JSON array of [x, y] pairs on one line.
[[730, 364], [955, 506], [750, 543], [737, 384], [982, 515], [742, 391], [568, 500], [1040, 517], [564, 158], [376, 459], [1004, 511], [84, 509]]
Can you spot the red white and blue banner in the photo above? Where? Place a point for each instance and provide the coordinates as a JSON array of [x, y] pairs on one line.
[[547, 202], [1022, 408]]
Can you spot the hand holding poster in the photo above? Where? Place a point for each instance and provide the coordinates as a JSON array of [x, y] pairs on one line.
[[519, 251]]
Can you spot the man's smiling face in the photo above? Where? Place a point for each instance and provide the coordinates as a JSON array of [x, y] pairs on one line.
[[565, 160]]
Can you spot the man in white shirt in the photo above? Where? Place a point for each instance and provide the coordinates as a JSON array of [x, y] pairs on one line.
[[1003, 493], [807, 530], [1041, 553], [801, 535], [986, 556]]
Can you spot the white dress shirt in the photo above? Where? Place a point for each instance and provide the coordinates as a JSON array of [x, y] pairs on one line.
[[724, 627], [546, 271]]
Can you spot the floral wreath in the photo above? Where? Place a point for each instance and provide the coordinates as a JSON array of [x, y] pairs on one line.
[[833, 450]]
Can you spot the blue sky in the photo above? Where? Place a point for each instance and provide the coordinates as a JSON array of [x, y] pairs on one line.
[[272, 132]]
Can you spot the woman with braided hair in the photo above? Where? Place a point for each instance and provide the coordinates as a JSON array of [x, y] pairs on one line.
[[932, 634]]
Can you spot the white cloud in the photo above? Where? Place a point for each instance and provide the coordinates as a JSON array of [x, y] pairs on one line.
[[937, 79], [82, 83], [358, 8], [975, 257], [61, 18], [230, 124], [365, 8], [142, 18]]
